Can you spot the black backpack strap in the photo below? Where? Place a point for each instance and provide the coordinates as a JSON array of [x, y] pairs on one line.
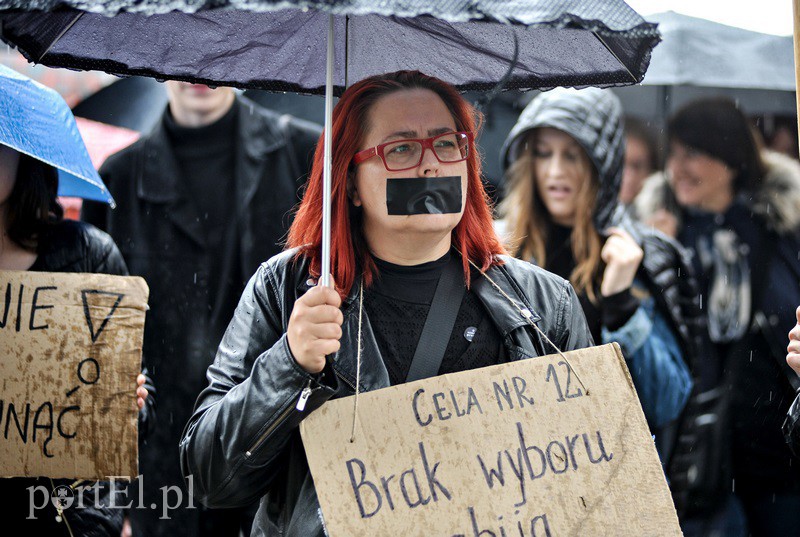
[[438, 324]]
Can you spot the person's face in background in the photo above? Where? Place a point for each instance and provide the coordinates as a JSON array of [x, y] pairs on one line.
[[9, 161], [699, 180], [636, 169], [561, 168], [414, 113], [196, 105], [784, 141]]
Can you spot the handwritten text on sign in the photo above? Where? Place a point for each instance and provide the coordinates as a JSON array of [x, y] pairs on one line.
[[71, 347], [512, 450]]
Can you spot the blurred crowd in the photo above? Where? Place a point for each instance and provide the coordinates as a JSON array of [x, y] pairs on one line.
[[682, 244]]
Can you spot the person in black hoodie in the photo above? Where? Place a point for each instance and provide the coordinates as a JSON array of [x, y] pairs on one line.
[[34, 237], [737, 209]]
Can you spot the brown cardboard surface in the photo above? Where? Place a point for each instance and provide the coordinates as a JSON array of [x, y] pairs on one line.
[[572, 462], [70, 348]]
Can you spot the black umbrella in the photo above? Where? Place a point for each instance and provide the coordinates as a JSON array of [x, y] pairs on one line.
[[267, 44], [133, 103], [278, 44]]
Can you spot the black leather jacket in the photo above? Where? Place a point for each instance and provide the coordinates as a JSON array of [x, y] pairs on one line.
[[243, 443]]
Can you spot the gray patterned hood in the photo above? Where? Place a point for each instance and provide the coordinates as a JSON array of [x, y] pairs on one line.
[[594, 118]]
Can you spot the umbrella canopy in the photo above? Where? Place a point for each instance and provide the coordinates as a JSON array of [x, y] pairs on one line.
[[698, 52], [37, 122], [104, 140], [700, 58], [277, 45], [134, 103]]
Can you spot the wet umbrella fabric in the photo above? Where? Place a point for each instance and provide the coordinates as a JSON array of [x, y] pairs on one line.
[[36, 121], [699, 58], [134, 103], [699, 52], [280, 45]]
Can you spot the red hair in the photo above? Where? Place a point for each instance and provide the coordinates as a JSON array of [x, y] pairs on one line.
[[474, 235]]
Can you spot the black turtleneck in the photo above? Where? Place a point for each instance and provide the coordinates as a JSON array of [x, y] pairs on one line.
[[612, 311], [206, 162], [397, 304]]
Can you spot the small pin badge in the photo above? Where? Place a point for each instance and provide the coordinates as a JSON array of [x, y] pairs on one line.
[[469, 333]]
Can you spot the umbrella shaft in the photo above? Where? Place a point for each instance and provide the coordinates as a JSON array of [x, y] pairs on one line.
[[326, 170]]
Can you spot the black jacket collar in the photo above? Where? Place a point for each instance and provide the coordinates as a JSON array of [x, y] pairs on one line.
[[505, 314], [159, 182]]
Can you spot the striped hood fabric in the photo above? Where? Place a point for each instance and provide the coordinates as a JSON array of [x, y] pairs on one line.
[[594, 118]]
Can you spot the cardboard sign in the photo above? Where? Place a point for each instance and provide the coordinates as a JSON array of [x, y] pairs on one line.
[[71, 348], [519, 449]]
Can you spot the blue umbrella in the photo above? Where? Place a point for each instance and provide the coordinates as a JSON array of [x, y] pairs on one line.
[[37, 122]]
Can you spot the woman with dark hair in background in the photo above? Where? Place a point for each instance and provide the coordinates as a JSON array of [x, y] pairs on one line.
[[34, 236], [738, 211], [409, 214]]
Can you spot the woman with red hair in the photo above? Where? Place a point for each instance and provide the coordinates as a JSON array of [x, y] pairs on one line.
[[412, 235]]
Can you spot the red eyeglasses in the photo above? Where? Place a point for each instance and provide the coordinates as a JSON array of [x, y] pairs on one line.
[[399, 155]]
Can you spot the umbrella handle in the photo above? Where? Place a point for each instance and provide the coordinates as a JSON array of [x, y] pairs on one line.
[[325, 277]]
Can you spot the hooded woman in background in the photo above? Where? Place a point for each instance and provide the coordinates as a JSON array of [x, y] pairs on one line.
[[563, 161]]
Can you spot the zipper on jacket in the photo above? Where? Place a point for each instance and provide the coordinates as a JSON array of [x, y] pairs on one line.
[[350, 384], [303, 399], [300, 406]]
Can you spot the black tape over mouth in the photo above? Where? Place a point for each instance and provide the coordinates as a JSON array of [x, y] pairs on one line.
[[423, 195]]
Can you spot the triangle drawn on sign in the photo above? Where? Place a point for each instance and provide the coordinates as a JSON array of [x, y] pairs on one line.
[[85, 296]]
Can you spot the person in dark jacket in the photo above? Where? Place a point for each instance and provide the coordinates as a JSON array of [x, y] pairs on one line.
[[202, 200], [641, 159], [738, 211], [400, 135], [563, 160], [791, 427], [34, 237]]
